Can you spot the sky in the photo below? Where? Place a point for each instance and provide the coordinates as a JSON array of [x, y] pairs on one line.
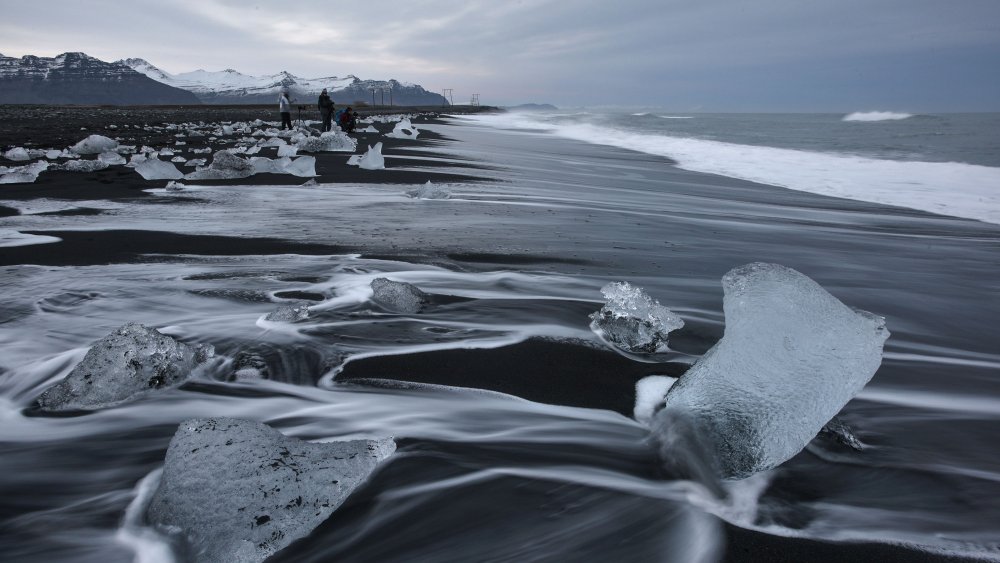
[[683, 55]]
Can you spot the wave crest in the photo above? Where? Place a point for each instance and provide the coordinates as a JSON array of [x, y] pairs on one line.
[[875, 116]]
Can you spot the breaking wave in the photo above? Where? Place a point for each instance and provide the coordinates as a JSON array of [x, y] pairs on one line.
[[947, 188], [876, 116]]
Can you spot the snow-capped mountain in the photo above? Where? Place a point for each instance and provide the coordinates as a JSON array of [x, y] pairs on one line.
[[232, 87], [76, 78]]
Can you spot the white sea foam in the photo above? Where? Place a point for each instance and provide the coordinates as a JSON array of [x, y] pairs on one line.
[[949, 188], [876, 116], [10, 238]]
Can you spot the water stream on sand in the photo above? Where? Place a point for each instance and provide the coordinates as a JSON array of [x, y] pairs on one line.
[[515, 264]]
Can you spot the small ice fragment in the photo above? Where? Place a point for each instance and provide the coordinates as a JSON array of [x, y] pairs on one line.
[[632, 320], [84, 165], [791, 357], [311, 182], [287, 150], [195, 162], [225, 165], [17, 154], [373, 159], [289, 313], [111, 158], [404, 130], [399, 297], [53, 154], [23, 174], [840, 432], [249, 366], [156, 169], [94, 144], [178, 159], [429, 191], [649, 393], [328, 141], [175, 186]]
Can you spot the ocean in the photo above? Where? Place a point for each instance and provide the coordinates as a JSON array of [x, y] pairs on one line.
[[516, 425]]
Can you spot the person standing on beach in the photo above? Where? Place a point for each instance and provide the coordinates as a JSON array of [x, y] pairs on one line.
[[285, 108], [326, 110]]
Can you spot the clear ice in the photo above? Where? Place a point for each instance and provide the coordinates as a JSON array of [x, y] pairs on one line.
[[429, 191], [791, 357], [156, 169], [632, 320]]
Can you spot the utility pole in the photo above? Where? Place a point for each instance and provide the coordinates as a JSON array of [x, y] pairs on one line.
[[382, 93], [373, 98], [446, 94], [390, 96], [475, 100]]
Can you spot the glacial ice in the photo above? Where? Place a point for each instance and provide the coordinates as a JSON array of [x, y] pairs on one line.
[[791, 357], [248, 366], [111, 158], [303, 166], [17, 154], [240, 491], [83, 165], [178, 159], [130, 361], [287, 150], [156, 169], [371, 160], [22, 174], [288, 313], [399, 297], [429, 191], [632, 320], [94, 144], [404, 130], [328, 141], [649, 393], [175, 186], [225, 165], [195, 162]]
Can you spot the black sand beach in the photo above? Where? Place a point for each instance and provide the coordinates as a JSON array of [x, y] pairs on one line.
[[513, 260]]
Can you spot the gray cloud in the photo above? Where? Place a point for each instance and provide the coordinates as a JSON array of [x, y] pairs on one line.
[[571, 52]]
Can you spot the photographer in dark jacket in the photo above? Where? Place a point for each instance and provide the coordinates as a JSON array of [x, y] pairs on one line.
[[325, 105]]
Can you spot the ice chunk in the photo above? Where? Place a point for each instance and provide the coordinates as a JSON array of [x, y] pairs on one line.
[[399, 297], [84, 165], [130, 361], [174, 186], [368, 129], [156, 169], [273, 142], [328, 141], [310, 183], [53, 154], [840, 432], [178, 159], [225, 165], [791, 357], [632, 320], [429, 191], [289, 314], [404, 130], [303, 166], [17, 154], [373, 159], [249, 366], [649, 393], [195, 162], [111, 158], [240, 491], [94, 144], [23, 174], [287, 150]]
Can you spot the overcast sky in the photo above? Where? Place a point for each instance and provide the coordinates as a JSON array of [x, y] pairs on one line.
[[685, 55]]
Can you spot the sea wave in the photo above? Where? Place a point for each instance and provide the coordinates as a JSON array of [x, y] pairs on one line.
[[876, 116], [948, 188]]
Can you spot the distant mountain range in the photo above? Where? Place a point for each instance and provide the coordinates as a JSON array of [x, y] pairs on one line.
[[76, 78], [232, 87]]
